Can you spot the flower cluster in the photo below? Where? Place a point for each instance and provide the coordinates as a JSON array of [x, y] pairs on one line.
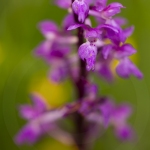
[[101, 111], [98, 47]]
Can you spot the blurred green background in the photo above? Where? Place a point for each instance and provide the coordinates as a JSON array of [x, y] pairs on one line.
[[21, 73]]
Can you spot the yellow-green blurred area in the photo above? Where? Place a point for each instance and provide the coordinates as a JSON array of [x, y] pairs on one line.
[[22, 73]]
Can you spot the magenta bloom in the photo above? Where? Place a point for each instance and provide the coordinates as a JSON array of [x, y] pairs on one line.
[[106, 113], [88, 50], [37, 125], [52, 50], [31, 132]]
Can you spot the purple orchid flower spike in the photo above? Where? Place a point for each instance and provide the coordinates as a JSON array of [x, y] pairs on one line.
[[98, 47], [81, 8]]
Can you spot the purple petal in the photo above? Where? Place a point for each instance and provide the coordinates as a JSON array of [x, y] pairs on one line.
[[91, 88], [123, 69], [49, 51], [99, 5], [57, 54], [106, 109], [28, 135], [128, 31], [112, 9], [39, 102], [63, 3], [124, 133], [58, 74], [125, 50], [28, 112], [88, 52], [81, 8], [88, 1], [136, 72], [127, 68], [47, 28], [85, 108], [106, 73], [75, 26], [116, 36], [91, 60], [59, 50], [103, 2], [43, 49], [108, 27], [92, 34], [121, 113], [120, 21], [106, 50], [68, 21], [63, 48]]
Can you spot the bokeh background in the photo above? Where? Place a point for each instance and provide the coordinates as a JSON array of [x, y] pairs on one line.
[[21, 73]]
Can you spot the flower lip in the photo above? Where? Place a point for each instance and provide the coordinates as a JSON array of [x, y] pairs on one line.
[[88, 52], [127, 68]]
